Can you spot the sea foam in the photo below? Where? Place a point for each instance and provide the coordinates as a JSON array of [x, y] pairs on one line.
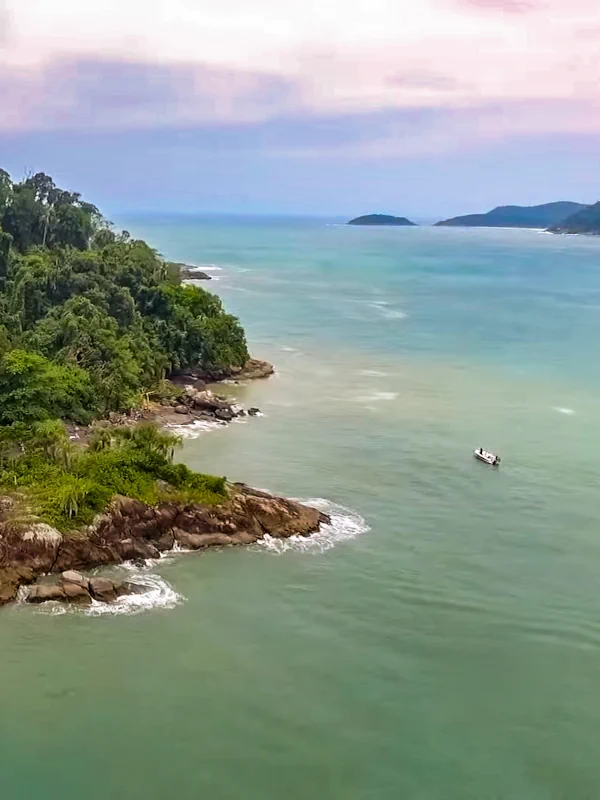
[[156, 593], [194, 429], [345, 524], [204, 268], [376, 397]]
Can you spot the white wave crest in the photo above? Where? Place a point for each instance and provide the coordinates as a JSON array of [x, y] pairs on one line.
[[382, 308], [562, 410], [204, 268], [345, 524], [194, 429], [200, 281], [157, 593], [373, 373], [154, 592], [377, 397], [392, 313]]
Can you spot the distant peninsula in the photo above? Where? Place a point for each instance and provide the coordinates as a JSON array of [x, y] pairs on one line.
[[543, 216], [382, 220], [586, 221]]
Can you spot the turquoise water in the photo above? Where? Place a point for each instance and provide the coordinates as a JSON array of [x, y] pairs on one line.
[[441, 640]]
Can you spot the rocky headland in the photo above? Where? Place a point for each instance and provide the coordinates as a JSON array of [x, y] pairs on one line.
[[88, 476], [585, 221], [130, 530], [187, 272], [540, 217]]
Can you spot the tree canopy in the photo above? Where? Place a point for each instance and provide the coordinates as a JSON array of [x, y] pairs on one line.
[[90, 319]]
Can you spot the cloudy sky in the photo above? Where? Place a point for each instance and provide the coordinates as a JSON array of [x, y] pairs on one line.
[[422, 107]]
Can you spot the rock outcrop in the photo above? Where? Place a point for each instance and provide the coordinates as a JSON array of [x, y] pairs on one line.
[[187, 272], [79, 590], [195, 403], [253, 369], [131, 530]]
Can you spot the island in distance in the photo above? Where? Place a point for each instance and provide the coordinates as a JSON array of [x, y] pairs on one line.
[[382, 219], [586, 220], [545, 216]]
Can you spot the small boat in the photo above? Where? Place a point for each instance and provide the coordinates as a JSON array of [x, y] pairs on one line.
[[488, 458]]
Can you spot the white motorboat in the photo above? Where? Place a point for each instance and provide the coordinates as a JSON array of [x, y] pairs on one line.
[[488, 458]]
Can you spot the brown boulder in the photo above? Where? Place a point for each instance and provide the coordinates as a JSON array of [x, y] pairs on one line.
[[103, 589], [70, 576], [136, 550], [128, 507], [244, 537], [82, 553], [196, 541], [166, 542], [44, 592], [75, 593], [255, 369]]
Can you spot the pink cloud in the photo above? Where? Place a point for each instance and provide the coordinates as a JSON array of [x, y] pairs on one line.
[[79, 69], [511, 6], [109, 95]]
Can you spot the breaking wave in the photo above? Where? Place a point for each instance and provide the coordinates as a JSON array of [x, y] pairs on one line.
[[377, 397], [204, 268], [194, 429], [156, 593], [153, 592], [345, 524]]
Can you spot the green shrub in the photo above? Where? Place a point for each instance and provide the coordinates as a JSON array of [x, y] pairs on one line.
[[69, 491]]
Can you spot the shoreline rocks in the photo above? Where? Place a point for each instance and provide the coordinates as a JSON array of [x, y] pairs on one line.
[[187, 272], [79, 590], [254, 369], [131, 530]]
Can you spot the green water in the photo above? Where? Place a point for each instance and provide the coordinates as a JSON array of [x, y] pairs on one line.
[[445, 648]]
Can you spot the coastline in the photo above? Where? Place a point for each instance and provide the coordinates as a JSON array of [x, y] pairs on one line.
[[132, 531]]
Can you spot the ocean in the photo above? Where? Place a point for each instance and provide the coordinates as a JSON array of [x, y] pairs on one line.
[[441, 639]]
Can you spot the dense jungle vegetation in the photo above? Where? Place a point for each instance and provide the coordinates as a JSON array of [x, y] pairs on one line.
[[91, 321]]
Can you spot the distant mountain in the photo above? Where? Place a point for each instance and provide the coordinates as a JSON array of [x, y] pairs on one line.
[[587, 220], [544, 216], [381, 219]]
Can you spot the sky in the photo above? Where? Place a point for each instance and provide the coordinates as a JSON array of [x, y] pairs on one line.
[[426, 108]]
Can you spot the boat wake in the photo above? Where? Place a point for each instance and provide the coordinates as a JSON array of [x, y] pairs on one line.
[[345, 524]]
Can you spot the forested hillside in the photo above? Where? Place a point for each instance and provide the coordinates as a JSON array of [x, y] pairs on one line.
[[91, 319]]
